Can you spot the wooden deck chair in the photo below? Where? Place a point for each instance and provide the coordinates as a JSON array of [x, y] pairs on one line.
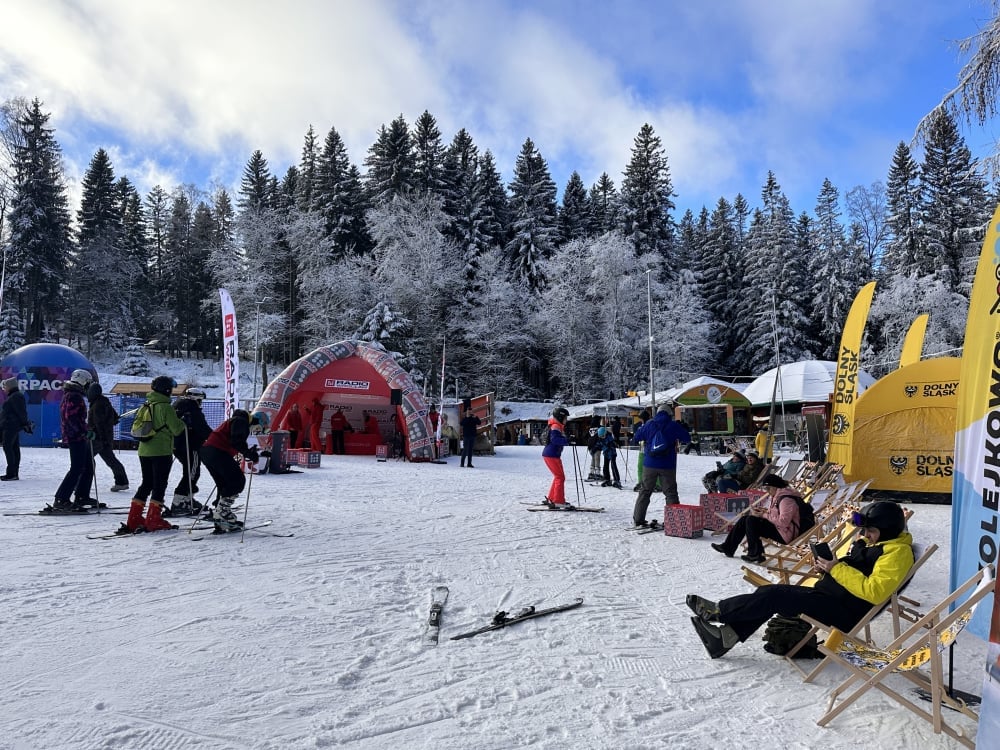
[[921, 644]]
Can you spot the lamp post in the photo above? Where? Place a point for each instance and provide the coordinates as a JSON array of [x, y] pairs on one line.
[[256, 349], [649, 312]]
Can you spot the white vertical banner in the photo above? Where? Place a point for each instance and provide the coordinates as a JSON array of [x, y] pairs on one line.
[[230, 354]]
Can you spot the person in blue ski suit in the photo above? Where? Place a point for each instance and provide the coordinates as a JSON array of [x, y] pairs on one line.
[[662, 467]]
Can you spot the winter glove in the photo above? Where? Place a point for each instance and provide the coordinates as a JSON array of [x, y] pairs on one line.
[[186, 419], [252, 455]]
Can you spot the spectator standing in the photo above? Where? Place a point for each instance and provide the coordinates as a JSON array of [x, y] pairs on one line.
[[101, 421], [609, 450], [315, 423], [370, 424], [14, 418], [662, 430], [293, 423], [339, 425], [470, 426]]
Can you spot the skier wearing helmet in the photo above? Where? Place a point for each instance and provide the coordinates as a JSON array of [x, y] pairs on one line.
[[186, 447], [217, 454], [552, 456], [155, 459], [872, 570], [73, 420]]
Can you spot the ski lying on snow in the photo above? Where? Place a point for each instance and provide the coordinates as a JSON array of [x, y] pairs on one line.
[[159, 534], [503, 619], [566, 509], [439, 595], [654, 526], [61, 513], [256, 527]]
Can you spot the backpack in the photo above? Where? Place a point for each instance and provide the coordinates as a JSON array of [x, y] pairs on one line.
[[142, 425], [807, 518], [658, 445], [782, 633]]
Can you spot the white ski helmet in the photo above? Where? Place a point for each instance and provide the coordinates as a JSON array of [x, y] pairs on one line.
[[81, 377], [196, 393]]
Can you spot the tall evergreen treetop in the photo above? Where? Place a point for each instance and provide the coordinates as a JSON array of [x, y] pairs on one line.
[[647, 196]]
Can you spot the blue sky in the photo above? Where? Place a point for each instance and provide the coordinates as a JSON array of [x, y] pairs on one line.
[[183, 91]]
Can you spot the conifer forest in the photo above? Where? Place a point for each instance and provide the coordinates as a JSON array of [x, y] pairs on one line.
[[536, 291]]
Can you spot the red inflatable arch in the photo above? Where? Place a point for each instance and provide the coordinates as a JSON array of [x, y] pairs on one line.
[[354, 377]]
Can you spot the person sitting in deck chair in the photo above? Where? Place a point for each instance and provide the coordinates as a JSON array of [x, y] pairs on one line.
[[877, 563]]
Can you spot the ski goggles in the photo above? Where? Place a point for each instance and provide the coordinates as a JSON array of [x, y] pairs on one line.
[[858, 519]]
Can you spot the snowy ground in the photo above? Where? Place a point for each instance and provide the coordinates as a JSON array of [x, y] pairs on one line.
[[316, 641]]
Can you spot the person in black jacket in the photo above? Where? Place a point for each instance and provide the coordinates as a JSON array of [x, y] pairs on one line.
[[470, 425], [101, 420], [219, 453], [14, 417], [186, 450]]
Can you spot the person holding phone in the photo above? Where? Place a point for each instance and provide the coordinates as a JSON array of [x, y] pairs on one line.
[[876, 564], [779, 521]]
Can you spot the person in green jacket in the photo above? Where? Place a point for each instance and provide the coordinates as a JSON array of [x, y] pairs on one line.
[[874, 567], [155, 459]]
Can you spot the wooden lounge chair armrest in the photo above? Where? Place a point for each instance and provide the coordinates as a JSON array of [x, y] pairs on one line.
[[754, 578]]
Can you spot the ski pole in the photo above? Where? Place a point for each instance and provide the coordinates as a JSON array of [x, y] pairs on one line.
[[93, 469], [198, 517], [246, 507], [576, 475]]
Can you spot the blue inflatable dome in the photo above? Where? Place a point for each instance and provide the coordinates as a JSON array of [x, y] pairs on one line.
[[41, 370]]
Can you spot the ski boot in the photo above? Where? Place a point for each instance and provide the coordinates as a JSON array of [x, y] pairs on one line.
[[134, 524], [155, 520], [224, 518], [182, 505], [83, 503], [62, 506], [119, 486]]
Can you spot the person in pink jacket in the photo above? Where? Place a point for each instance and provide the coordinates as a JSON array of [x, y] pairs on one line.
[[780, 522]]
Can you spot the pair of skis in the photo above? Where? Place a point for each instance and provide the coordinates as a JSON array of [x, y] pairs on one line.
[[561, 507], [194, 537], [439, 596], [651, 528]]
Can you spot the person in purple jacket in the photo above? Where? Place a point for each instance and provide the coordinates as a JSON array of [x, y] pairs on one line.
[[552, 456], [73, 419], [659, 463]]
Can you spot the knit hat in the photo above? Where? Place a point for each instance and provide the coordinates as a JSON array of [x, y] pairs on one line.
[[773, 480], [602, 431], [9, 384]]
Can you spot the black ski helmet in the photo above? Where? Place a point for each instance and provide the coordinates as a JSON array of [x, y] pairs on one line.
[[884, 515], [240, 414], [561, 413], [163, 384]]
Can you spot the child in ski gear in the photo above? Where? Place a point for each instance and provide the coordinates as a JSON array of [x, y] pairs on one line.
[[875, 566], [338, 425], [14, 418], [186, 447], [101, 420], [218, 454], [155, 459], [469, 424], [610, 452], [662, 467], [594, 449], [73, 420], [779, 521], [552, 455]]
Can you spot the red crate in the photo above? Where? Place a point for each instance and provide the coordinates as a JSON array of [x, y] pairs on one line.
[[728, 503], [302, 457], [686, 521]]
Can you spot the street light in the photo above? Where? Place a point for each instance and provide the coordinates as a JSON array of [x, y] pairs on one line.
[[649, 312], [256, 349]]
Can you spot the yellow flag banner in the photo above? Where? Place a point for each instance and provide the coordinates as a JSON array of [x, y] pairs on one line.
[[913, 344], [845, 392], [975, 492]]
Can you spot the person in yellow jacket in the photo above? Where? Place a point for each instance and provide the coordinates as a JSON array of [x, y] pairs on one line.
[[764, 444], [875, 566]]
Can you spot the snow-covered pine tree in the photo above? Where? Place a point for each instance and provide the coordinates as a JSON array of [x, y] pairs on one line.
[[647, 198], [495, 212], [719, 271], [605, 206], [574, 214], [339, 198], [308, 167], [39, 243], [954, 210], [135, 362], [391, 164], [533, 216], [428, 156], [904, 198], [11, 329], [833, 281]]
